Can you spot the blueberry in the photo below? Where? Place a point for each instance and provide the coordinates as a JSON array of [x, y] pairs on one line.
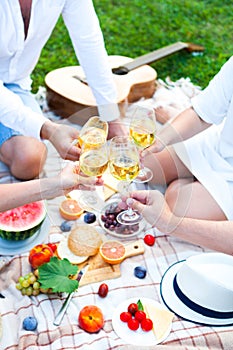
[[140, 272], [65, 226], [89, 218], [30, 323]]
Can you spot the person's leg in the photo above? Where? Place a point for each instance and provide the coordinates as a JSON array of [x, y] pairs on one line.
[[25, 156], [191, 199], [166, 167]]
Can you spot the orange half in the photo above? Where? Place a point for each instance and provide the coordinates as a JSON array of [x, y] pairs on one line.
[[112, 252], [70, 209]]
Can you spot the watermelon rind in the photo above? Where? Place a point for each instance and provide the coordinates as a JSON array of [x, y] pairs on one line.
[[20, 229]]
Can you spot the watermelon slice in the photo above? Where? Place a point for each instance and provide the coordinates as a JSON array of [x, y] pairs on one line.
[[22, 222]]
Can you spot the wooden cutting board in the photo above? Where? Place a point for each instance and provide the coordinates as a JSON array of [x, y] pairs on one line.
[[99, 270]]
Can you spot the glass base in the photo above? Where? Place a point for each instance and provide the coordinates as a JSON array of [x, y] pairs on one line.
[[144, 175], [129, 217], [89, 201]]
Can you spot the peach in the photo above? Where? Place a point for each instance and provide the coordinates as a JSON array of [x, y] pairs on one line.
[[91, 318], [39, 255]]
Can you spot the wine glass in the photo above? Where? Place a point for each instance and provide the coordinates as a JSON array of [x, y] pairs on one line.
[[142, 131], [124, 166], [94, 131], [93, 161]]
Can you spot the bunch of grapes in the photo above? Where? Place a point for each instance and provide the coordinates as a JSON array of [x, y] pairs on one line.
[[110, 221], [28, 284]]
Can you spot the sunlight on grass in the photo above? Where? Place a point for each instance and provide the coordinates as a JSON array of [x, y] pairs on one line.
[[133, 28]]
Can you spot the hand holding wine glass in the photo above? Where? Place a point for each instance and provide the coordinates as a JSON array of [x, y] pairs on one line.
[[94, 132], [93, 161], [124, 166], [142, 131]]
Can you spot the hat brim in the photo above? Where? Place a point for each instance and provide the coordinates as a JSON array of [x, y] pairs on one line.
[[176, 305]]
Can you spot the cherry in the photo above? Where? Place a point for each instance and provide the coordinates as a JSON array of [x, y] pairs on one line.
[[149, 239]]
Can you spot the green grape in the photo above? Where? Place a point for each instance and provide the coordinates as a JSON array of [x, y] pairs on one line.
[[18, 286], [36, 285], [35, 292], [28, 284], [25, 283], [21, 279], [29, 291], [32, 279], [24, 291]]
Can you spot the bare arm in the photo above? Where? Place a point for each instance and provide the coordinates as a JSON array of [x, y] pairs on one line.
[[17, 194], [182, 127], [215, 235]]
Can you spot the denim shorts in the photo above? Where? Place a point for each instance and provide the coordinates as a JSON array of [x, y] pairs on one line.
[[29, 101]]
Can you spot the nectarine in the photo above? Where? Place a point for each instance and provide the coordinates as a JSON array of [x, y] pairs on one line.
[[91, 318]]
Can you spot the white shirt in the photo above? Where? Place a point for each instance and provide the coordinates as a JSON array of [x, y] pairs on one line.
[[18, 57], [215, 105], [209, 154]]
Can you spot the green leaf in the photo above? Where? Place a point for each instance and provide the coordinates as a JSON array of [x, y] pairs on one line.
[[55, 275], [140, 306]]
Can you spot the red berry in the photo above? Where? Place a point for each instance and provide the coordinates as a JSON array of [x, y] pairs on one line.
[[146, 325], [53, 246], [125, 316], [103, 290], [149, 240], [133, 324], [133, 308], [140, 315]]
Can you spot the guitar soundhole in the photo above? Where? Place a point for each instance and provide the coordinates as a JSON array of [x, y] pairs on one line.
[[120, 70]]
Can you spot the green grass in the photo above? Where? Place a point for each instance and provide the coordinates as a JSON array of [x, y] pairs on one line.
[[135, 27]]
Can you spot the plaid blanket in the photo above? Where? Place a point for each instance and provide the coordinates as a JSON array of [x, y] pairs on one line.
[[14, 307]]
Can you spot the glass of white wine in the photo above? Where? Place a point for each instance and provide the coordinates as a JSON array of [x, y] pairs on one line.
[[142, 130], [93, 161], [124, 166], [94, 132]]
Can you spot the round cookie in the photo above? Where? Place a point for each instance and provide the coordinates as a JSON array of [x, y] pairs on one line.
[[84, 240]]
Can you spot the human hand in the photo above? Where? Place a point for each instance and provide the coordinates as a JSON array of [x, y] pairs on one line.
[[116, 128], [71, 179], [154, 208], [63, 138], [156, 147]]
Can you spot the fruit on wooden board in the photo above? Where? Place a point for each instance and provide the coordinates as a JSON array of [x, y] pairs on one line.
[[39, 255], [70, 210], [22, 222], [91, 318], [112, 252]]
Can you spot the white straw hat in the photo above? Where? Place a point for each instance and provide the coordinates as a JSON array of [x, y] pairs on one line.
[[200, 289]]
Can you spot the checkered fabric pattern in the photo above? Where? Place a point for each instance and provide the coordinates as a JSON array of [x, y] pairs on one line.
[[14, 307]]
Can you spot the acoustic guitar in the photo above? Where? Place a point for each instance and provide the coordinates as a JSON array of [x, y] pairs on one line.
[[68, 91]]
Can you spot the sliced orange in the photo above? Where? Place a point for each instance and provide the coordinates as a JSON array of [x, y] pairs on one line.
[[112, 252], [70, 209]]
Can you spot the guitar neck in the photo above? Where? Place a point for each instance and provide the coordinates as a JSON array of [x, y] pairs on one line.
[[161, 53]]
